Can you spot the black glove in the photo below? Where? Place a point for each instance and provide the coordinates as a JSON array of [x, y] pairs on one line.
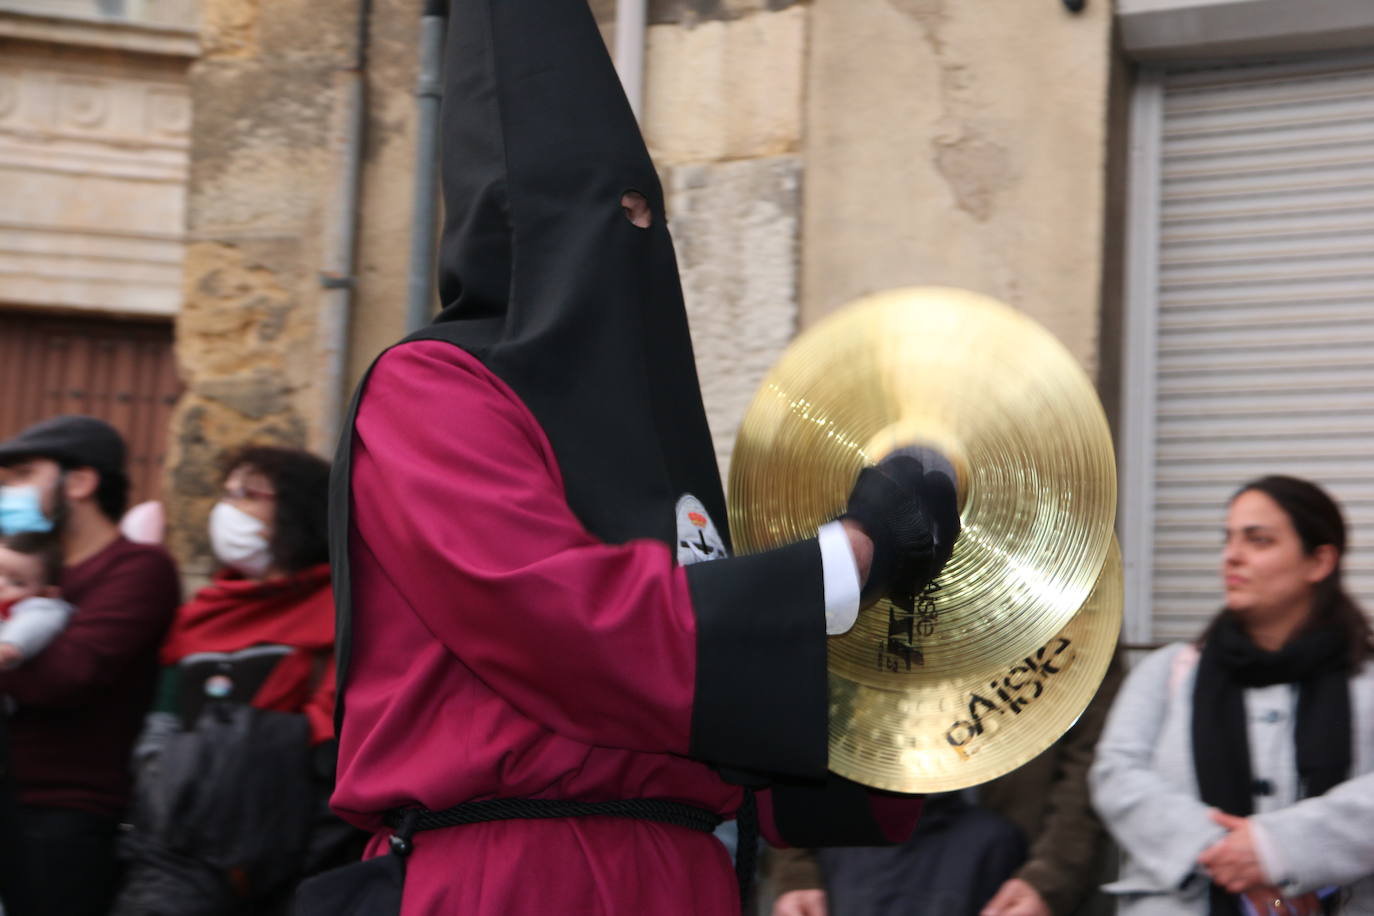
[[912, 516]]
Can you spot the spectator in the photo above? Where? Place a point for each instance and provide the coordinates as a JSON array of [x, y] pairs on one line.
[[247, 762], [1271, 706], [955, 861], [80, 703], [1056, 874]]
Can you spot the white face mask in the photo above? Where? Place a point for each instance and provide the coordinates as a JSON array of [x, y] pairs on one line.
[[237, 540]]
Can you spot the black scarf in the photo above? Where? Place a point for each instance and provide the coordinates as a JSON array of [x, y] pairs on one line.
[[1316, 661]]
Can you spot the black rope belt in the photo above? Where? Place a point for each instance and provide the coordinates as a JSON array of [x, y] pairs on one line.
[[409, 821], [406, 822]]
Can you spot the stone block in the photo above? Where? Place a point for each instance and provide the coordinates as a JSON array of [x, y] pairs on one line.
[[314, 31], [690, 12], [236, 310], [230, 28], [963, 145], [725, 89], [735, 229], [279, 31], [259, 149], [257, 394]]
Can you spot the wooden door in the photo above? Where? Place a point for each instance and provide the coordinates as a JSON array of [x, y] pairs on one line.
[[123, 372]]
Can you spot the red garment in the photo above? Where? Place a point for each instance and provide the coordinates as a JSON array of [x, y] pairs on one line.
[[235, 613], [500, 650], [81, 700]]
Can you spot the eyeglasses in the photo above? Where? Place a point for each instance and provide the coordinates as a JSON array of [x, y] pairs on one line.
[[248, 494]]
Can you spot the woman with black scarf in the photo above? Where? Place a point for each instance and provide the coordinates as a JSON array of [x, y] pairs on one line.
[[1207, 743]]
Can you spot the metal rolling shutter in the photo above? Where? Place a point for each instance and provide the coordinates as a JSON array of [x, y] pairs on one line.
[[1264, 359]]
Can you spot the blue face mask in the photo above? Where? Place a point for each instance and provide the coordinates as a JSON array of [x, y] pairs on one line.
[[21, 510]]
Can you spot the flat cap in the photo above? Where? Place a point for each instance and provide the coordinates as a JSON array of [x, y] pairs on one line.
[[70, 439]]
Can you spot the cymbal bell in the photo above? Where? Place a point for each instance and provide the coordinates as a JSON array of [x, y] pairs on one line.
[[939, 733], [1018, 418]]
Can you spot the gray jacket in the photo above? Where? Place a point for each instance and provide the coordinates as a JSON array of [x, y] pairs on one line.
[[1145, 790], [1343, 819]]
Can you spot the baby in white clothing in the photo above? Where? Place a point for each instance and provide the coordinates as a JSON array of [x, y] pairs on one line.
[[31, 606]]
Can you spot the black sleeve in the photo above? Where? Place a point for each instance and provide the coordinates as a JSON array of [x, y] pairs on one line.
[[761, 694], [829, 812]]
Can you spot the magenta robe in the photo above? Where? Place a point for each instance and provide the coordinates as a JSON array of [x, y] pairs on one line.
[[501, 651]]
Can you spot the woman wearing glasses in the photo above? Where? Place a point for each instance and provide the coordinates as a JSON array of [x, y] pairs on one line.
[[231, 809]]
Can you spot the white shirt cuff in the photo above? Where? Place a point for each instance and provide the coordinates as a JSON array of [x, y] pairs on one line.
[[841, 575], [1269, 859]]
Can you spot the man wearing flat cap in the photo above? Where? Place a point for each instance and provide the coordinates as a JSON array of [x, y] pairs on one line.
[[79, 704]]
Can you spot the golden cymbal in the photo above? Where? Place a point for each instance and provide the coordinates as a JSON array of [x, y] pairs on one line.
[[941, 733], [1018, 418]]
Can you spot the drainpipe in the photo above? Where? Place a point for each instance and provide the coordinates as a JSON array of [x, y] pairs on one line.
[[629, 50], [428, 93], [340, 236]]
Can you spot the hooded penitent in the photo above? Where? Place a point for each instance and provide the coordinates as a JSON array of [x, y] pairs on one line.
[[514, 515], [545, 281]]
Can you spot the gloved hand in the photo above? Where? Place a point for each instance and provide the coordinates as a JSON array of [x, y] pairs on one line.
[[908, 505]]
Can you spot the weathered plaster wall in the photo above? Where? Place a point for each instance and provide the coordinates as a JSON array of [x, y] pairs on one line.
[[960, 144], [735, 229], [723, 120], [261, 197]]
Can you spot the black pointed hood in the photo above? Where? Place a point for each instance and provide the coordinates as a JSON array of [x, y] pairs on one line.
[[546, 281]]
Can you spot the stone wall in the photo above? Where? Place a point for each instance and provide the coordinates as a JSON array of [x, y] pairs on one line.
[[267, 96]]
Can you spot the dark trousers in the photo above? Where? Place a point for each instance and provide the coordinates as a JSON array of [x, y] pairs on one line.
[[69, 862], [11, 844], [953, 864]]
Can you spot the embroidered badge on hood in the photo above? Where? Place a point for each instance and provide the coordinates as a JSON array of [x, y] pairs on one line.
[[697, 537]]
